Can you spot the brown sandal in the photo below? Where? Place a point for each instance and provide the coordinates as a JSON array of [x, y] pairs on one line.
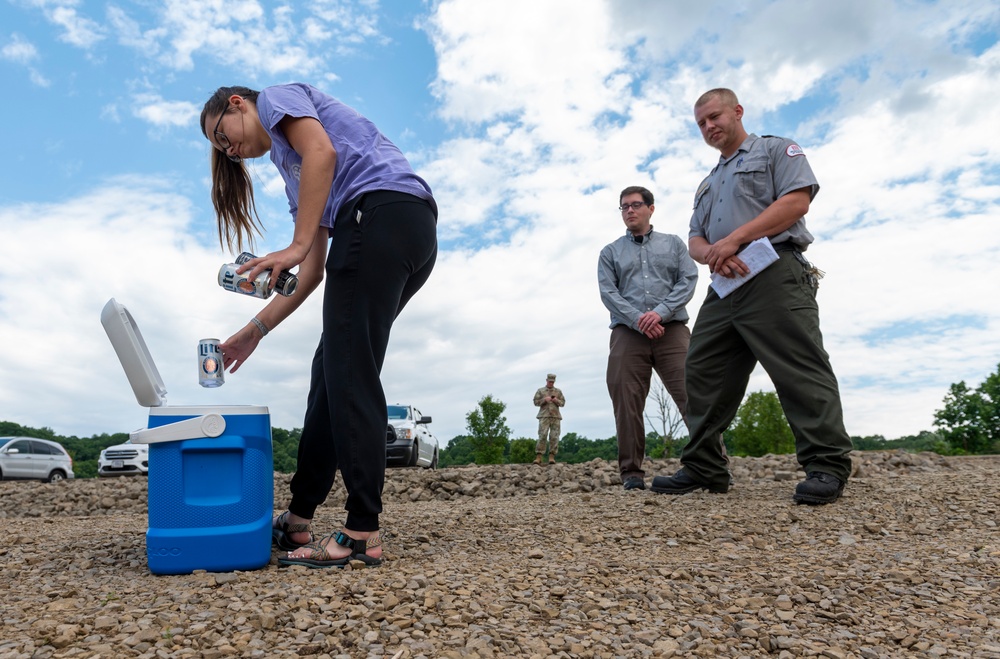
[[281, 533], [320, 557]]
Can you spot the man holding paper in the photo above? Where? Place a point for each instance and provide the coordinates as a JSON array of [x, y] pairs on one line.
[[761, 188]]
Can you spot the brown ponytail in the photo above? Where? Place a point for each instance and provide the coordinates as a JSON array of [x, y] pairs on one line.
[[232, 188]]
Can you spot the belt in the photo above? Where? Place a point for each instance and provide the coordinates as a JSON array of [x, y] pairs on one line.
[[786, 246]]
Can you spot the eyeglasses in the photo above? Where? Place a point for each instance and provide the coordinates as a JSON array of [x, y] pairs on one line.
[[635, 205], [221, 138]]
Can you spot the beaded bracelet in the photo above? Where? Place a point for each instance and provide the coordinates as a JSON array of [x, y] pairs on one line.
[[261, 326]]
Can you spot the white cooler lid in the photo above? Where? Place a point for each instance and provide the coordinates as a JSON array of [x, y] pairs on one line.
[[133, 355]]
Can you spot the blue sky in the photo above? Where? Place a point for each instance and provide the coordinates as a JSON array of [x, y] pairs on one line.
[[526, 118]]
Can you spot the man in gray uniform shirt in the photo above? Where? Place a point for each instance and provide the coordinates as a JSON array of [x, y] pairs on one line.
[[761, 187], [646, 278]]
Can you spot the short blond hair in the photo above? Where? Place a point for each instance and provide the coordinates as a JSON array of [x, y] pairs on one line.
[[727, 96]]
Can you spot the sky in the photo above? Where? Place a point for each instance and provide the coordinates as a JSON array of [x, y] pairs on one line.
[[527, 119]]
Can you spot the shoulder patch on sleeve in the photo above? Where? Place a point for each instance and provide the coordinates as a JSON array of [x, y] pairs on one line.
[[794, 150], [702, 189]]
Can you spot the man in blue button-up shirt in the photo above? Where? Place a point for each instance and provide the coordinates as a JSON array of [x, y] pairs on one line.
[[646, 279]]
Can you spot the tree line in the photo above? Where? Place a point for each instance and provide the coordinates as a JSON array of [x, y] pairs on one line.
[[967, 423]]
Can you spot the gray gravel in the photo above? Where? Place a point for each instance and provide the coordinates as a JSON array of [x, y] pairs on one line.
[[526, 561]]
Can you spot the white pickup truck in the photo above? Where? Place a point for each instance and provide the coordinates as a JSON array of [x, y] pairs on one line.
[[414, 445]]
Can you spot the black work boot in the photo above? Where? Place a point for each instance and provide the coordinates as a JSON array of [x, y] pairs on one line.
[[634, 483], [817, 488], [682, 483]]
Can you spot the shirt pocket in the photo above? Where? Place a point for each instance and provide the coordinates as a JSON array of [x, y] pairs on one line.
[[752, 180], [662, 268]]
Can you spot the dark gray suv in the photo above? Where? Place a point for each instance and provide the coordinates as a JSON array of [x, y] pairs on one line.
[[29, 458]]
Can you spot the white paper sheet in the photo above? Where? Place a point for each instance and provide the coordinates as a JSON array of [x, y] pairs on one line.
[[758, 255]]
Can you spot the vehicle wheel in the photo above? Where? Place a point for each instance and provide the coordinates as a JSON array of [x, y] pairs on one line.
[[57, 476], [414, 454], [434, 462]]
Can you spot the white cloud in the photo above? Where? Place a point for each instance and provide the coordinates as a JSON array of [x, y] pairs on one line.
[[249, 35], [38, 79], [21, 51], [110, 112], [245, 34], [76, 30], [557, 116], [159, 112], [552, 108], [557, 55], [130, 33]]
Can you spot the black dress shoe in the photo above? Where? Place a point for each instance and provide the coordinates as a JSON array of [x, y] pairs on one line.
[[818, 488], [634, 483], [682, 483]]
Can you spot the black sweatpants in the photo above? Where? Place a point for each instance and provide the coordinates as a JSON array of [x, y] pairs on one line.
[[377, 261]]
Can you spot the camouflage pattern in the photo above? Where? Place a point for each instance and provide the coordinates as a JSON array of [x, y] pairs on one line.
[[548, 429], [549, 409], [549, 418]]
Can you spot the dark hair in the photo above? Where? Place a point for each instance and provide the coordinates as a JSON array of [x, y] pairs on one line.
[[647, 196], [232, 188]]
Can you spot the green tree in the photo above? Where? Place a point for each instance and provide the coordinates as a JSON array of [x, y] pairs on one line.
[[760, 427], [970, 419], [86, 451], [925, 440], [521, 450], [457, 452], [285, 447], [488, 428], [574, 449], [11, 429], [869, 442]]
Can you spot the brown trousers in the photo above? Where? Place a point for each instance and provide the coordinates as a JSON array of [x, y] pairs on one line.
[[631, 361]]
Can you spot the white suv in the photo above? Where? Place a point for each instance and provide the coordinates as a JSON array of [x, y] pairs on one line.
[[23, 458], [126, 459], [414, 444]]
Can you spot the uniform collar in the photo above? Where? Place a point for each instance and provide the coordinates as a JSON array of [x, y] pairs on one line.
[[744, 148]]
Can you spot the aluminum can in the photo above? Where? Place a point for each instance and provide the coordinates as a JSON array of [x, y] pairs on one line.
[[285, 284], [211, 370], [231, 281]]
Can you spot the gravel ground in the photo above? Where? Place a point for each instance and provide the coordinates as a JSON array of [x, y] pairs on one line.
[[526, 561]]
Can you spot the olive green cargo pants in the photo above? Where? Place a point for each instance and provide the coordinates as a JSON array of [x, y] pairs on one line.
[[773, 319]]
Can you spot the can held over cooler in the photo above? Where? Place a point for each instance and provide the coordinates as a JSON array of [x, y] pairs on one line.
[[284, 284], [211, 371]]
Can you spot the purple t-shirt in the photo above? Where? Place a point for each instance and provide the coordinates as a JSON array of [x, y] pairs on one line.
[[366, 159]]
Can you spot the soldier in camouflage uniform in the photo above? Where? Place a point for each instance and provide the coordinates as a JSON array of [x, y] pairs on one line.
[[548, 400]]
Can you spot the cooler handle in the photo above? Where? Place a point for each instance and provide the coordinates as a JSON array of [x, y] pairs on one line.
[[199, 427]]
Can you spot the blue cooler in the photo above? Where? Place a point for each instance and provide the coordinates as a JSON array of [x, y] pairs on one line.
[[211, 471]]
